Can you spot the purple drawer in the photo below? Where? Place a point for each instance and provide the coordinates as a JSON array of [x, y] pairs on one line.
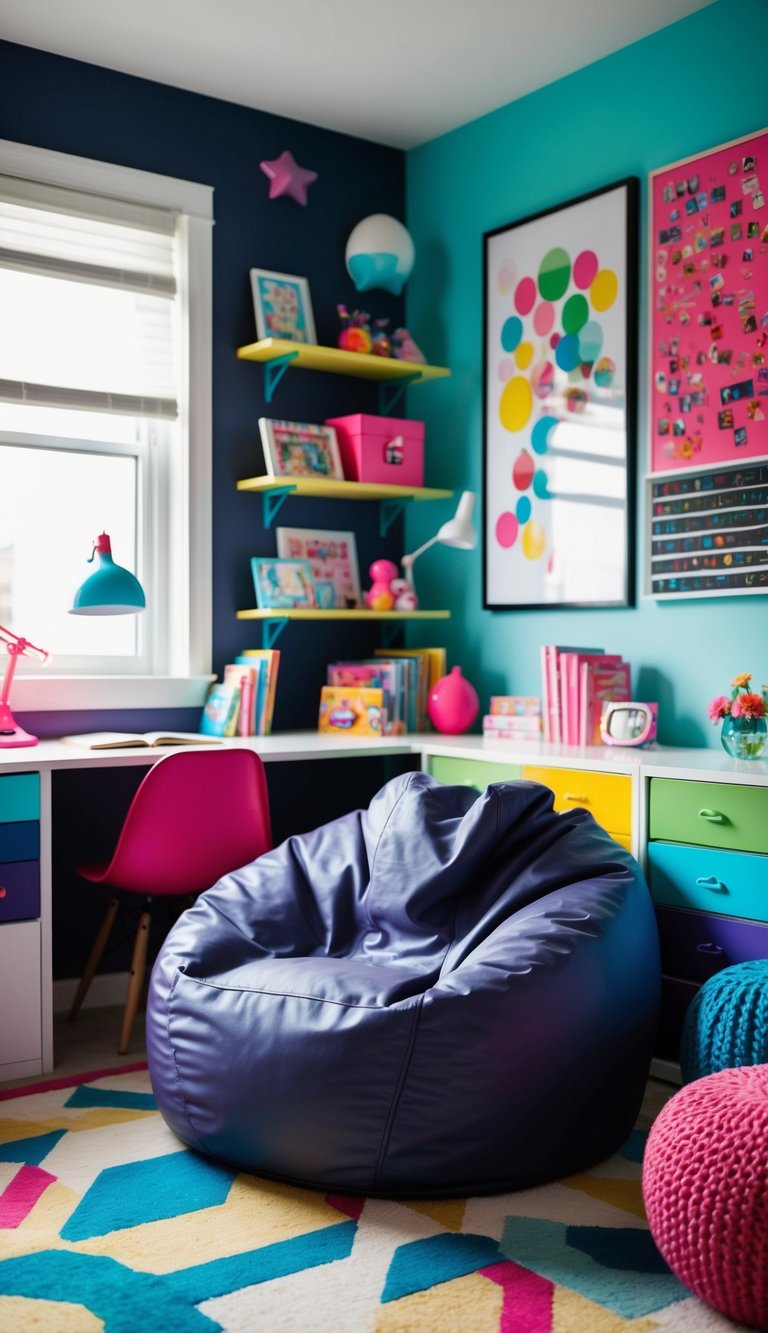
[[19, 890], [698, 944]]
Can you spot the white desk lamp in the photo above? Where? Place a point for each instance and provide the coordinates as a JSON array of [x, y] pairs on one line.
[[458, 532]]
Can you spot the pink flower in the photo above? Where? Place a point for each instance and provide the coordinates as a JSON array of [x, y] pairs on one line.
[[719, 708], [748, 705]]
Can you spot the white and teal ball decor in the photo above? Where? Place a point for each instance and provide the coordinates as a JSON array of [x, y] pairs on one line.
[[379, 254]]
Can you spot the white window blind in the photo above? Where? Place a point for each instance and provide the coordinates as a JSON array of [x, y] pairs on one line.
[[87, 291]]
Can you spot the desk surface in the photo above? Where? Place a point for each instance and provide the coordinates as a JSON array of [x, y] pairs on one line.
[[291, 746]]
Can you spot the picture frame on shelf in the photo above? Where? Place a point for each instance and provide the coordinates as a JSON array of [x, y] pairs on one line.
[[559, 404], [282, 306], [708, 301], [284, 585], [300, 449], [332, 558]]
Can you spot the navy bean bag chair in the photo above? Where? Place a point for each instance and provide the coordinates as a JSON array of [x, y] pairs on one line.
[[443, 994]]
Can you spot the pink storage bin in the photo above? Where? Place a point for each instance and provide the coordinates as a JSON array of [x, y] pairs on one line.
[[381, 449]]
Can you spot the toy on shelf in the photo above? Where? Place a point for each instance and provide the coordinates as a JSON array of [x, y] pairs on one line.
[[381, 343], [405, 349], [380, 596], [355, 334], [380, 253]]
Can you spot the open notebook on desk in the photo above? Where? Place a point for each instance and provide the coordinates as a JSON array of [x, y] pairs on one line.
[[125, 740]]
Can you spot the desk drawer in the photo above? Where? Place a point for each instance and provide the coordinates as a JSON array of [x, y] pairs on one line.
[[20, 842], [475, 773], [19, 797], [705, 879], [19, 891], [607, 796], [696, 945], [711, 814]]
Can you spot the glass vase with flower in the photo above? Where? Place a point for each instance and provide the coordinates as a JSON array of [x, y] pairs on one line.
[[744, 731]]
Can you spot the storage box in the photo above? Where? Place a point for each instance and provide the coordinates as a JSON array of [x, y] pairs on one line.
[[381, 449]]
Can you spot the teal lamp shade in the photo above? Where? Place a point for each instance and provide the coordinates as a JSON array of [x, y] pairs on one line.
[[111, 590]]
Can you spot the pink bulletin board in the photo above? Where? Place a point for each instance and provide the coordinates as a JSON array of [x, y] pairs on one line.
[[709, 307]]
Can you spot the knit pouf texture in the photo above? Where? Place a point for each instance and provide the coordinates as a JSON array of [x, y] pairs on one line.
[[705, 1186], [726, 1023]]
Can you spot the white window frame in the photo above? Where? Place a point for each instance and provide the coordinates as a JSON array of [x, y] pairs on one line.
[[189, 636]]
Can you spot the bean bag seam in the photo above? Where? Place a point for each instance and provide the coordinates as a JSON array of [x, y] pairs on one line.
[[290, 994], [184, 1102], [400, 1085]]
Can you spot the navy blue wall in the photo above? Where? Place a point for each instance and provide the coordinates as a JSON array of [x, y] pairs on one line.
[[73, 107]]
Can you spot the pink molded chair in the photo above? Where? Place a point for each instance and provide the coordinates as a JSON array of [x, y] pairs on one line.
[[197, 815]]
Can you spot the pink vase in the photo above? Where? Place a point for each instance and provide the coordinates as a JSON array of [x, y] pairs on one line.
[[452, 703]]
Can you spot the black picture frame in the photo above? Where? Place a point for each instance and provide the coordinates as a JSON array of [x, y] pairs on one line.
[[560, 291]]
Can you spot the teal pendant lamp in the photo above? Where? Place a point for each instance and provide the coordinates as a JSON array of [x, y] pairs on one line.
[[111, 590]]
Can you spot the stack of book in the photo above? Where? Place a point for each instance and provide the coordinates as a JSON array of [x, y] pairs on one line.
[[513, 717], [576, 682], [402, 678], [243, 702]]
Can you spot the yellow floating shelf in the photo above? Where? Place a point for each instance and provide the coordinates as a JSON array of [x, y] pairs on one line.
[[318, 613], [342, 490], [335, 361]]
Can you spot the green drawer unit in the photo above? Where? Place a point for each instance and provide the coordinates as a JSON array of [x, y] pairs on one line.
[[706, 879], [19, 797], [477, 773], [709, 814]]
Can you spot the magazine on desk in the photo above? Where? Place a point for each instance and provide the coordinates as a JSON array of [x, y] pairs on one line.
[[126, 740]]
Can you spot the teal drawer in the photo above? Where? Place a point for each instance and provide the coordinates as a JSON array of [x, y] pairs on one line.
[[475, 773], [729, 883], [711, 814], [19, 797]]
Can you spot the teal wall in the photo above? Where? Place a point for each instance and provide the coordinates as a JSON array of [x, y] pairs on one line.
[[695, 84]]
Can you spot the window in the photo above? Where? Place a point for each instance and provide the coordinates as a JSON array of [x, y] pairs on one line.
[[104, 424]]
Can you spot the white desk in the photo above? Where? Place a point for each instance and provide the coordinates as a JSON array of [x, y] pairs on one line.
[[26, 1040]]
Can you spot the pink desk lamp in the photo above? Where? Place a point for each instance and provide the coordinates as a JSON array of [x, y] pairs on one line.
[[11, 734]]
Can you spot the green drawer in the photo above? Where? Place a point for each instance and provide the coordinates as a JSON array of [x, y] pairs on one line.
[[19, 797], [709, 814], [477, 773]]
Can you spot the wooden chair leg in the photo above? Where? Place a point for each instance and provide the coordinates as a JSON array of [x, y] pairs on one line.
[[138, 968], [94, 957]]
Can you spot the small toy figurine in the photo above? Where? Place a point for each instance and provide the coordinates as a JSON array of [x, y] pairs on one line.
[[355, 335], [380, 596], [405, 349], [381, 343], [404, 594]]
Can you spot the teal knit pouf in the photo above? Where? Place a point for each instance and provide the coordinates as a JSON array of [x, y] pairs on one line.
[[726, 1024]]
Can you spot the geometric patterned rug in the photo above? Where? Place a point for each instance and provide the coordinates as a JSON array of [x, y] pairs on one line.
[[108, 1222]]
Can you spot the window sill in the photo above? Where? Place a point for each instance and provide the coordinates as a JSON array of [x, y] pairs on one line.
[[57, 694]]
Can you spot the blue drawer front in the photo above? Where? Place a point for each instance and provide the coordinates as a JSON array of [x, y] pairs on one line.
[[19, 891], [709, 880], [20, 842], [697, 944], [19, 797]]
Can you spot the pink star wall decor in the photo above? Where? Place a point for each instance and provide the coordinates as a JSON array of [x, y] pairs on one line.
[[287, 177]]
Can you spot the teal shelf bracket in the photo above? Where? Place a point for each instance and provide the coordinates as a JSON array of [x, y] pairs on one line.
[[391, 391], [272, 629], [274, 371], [271, 502], [389, 510]]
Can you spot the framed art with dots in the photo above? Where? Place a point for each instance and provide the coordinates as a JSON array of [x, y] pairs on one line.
[[560, 370], [709, 307]]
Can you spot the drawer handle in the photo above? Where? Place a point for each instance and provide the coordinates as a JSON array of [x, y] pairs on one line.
[[3, 892], [709, 948], [579, 800], [712, 882], [713, 816]]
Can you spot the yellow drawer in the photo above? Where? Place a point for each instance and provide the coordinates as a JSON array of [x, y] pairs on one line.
[[607, 796], [475, 773]]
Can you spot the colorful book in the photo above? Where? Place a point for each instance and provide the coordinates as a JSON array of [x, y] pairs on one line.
[[514, 705], [248, 678], [597, 685], [570, 688], [351, 710], [219, 716], [265, 704], [426, 661], [553, 653]]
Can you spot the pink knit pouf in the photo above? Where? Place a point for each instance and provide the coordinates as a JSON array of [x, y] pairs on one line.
[[705, 1185]]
